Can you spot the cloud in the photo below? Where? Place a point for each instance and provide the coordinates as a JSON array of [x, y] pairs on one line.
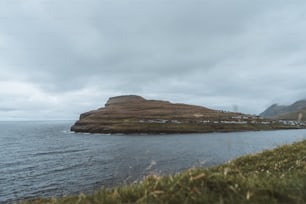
[[59, 58]]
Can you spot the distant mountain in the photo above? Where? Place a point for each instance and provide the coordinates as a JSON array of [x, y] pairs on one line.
[[297, 115], [291, 112]]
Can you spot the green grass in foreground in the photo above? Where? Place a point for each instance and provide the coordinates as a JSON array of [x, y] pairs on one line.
[[274, 176]]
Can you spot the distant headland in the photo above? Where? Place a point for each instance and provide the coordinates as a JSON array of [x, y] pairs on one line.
[[135, 114]]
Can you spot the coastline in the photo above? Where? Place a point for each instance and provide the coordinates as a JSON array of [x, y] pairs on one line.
[[272, 176]]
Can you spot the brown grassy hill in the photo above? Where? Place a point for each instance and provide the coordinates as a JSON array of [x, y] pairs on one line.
[[134, 114]]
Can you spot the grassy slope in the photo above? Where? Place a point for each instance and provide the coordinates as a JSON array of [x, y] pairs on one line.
[[133, 126], [275, 176]]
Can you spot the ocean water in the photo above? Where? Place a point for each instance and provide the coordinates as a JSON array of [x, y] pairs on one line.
[[45, 159]]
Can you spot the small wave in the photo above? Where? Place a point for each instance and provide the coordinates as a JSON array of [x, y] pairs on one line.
[[153, 163], [58, 152], [67, 132], [66, 168], [44, 190]]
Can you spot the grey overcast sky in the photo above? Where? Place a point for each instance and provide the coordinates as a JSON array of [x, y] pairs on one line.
[[59, 58]]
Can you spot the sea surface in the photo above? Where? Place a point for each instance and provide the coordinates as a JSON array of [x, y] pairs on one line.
[[45, 159]]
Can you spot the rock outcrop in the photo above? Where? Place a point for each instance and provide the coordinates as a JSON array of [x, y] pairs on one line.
[[134, 114]]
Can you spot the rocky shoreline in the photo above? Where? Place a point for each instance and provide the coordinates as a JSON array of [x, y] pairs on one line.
[[134, 114]]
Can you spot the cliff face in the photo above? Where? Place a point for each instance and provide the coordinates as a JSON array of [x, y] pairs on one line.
[[291, 112], [134, 114]]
